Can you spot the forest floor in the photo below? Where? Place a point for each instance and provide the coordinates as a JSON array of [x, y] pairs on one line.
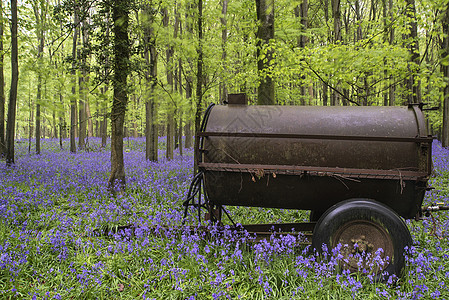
[[53, 206]]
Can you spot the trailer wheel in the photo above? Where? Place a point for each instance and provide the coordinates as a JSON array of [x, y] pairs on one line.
[[364, 227]]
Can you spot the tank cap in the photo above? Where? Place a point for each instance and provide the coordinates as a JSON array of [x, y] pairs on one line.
[[237, 99]]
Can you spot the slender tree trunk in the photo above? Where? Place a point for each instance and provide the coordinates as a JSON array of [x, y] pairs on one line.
[[73, 73], [62, 129], [223, 91], [325, 88], [31, 120], [385, 24], [38, 115], [325, 94], [104, 122], [81, 108], [304, 10], [134, 122], [55, 128], [39, 12], [265, 33], [10, 127], [120, 18], [391, 90], [189, 92], [336, 13], [61, 113], [176, 112], [90, 124], [85, 120], [358, 16], [104, 90], [301, 12], [188, 128], [151, 126], [199, 86], [445, 71], [412, 83], [170, 109], [180, 133], [180, 112], [2, 87]]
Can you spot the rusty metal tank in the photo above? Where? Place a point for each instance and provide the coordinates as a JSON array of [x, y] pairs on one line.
[[311, 157]]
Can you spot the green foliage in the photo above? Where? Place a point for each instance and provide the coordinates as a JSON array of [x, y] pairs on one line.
[[365, 65]]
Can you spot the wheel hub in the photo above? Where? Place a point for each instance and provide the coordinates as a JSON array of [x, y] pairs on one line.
[[360, 243]]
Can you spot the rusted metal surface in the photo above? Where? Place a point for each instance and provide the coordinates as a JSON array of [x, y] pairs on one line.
[[318, 137], [307, 157], [345, 173], [365, 238]]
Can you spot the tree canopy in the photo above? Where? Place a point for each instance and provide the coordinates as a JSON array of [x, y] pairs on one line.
[[181, 57]]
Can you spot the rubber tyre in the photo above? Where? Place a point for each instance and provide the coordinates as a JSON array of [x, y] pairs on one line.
[[370, 211]]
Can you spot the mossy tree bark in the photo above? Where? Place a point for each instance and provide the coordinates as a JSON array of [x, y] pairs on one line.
[[120, 16]]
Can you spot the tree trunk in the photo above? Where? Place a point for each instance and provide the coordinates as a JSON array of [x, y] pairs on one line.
[[180, 112], [2, 89], [104, 122], [189, 92], [177, 111], [413, 85], [81, 108], [61, 113], [55, 128], [90, 124], [325, 94], [188, 128], [170, 109], [336, 13], [445, 71], [73, 73], [265, 33], [223, 91], [86, 126], [62, 129], [39, 13], [120, 18], [151, 126], [180, 133], [385, 25], [10, 127], [199, 86], [104, 90], [38, 116], [391, 90], [301, 12], [31, 120]]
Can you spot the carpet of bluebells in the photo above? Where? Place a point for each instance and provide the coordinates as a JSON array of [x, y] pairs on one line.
[[53, 205]]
